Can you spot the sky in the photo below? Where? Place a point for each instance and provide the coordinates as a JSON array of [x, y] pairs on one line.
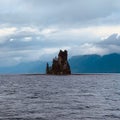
[[33, 30]]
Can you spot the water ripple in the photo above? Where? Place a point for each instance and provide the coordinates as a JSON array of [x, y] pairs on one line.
[[74, 97]]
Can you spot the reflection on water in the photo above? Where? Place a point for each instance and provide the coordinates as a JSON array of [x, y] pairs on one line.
[[74, 97]]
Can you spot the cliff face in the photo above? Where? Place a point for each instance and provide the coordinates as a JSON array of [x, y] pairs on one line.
[[60, 65]]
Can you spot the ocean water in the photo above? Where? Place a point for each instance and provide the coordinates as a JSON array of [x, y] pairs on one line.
[[74, 97]]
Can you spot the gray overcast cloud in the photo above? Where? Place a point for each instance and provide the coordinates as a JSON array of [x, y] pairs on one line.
[[34, 29], [54, 12]]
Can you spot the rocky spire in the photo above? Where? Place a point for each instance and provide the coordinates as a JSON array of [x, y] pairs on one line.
[[60, 65]]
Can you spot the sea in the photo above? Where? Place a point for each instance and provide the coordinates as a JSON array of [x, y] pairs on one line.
[[68, 97]]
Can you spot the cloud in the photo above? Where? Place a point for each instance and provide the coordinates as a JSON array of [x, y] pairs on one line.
[[106, 46], [5, 33], [112, 43], [36, 29], [88, 48], [59, 13], [32, 43], [113, 39]]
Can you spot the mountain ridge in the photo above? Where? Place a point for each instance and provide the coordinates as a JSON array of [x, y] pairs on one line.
[[94, 63]]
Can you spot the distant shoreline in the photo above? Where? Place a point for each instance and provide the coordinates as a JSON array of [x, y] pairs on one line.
[[27, 74], [74, 74]]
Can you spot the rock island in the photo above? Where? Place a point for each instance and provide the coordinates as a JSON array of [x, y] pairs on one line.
[[60, 65]]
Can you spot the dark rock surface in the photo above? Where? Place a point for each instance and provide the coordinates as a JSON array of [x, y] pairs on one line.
[[60, 65]]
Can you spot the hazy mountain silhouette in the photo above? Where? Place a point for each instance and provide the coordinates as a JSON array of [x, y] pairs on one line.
[[95, 63], [79, 64], [26, 67]]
